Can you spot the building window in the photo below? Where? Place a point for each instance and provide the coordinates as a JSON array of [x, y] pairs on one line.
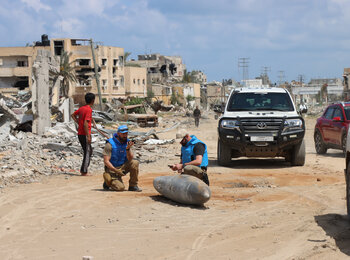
[[115, 62], [134, 81], [83, 62], [58, 47], [121, 61], [122, 81], [22, 63], [143, 81], [116, 83], [114, 70], [104, 62], [138, 82], [104, 83]]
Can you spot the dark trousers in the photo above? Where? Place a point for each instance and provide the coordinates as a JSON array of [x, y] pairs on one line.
[[87, 153], [196, 120]]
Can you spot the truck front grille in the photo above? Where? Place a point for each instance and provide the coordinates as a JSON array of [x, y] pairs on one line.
[[261, 125]]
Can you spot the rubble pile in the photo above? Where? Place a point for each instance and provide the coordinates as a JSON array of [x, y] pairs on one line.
[[26, 157]]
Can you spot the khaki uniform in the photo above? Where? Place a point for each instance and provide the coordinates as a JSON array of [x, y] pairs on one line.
[[194, 171], [114, 179]]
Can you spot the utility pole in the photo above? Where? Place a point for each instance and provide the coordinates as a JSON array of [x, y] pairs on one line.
[[97, 76], [301, 79], [281, 77], [264, 75], [244, 63]]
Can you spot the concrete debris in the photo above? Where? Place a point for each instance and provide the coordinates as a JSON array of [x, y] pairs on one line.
[[155, 141], [26, 157]]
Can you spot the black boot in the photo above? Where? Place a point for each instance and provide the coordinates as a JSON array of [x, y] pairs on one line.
[[105, 186], [205, 178]]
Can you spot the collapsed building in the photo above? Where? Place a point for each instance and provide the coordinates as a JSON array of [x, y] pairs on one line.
[[89, 60], [160, 68], [318, 90]]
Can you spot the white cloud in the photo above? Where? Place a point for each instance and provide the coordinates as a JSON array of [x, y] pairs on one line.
[[84, 8], [71, 27], [36, 5]]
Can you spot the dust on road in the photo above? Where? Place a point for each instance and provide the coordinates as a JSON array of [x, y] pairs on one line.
[[260, 209]]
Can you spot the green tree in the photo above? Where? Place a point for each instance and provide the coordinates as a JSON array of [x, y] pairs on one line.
[[66, 72], [190, 98]]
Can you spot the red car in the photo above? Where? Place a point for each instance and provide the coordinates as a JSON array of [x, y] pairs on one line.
[[332, 127]]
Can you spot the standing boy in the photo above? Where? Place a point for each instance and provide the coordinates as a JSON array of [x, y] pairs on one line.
[[83, 117]]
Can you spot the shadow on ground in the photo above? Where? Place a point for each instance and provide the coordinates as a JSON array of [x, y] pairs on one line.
[[163, 199], [333, 155], [338, 227], [253, 163]]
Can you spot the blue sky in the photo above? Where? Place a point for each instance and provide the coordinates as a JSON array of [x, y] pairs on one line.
[[299, 37]]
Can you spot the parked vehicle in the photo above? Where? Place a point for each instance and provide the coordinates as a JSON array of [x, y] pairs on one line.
[[261, 122], [347, 172], [332, 127]]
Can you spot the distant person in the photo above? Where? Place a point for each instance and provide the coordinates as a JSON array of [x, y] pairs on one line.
[[83, 117], [118, 161], [194, 158], [303, 108], [196, 115]]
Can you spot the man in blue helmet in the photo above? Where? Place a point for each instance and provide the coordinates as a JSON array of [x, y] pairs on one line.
[[194, 158], [118, 160]]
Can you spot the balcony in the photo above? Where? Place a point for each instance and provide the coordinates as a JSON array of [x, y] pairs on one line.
[[17, 71]]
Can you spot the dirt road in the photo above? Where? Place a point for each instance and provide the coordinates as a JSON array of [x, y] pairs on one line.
[[260, 209]]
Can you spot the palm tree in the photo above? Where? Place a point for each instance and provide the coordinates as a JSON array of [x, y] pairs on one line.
[[187, 77], [126, 55], [67, 73]]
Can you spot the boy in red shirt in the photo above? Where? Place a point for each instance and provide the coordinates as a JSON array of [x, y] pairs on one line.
[[83, 117]]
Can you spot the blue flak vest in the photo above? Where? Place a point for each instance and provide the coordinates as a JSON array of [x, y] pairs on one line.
[[187, 152], [118, 157]]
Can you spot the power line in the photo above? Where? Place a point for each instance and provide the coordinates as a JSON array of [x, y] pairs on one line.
[[301, 79], [281, 77], [244, 64], [265, 70]]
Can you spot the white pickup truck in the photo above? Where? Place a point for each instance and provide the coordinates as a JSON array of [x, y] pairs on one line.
[[261, 122]]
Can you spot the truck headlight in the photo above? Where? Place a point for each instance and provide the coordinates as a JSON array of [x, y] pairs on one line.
[[292, 125], [231, 124]]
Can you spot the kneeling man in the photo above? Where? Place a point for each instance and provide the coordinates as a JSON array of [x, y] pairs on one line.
[[194, 158], [118, 160]]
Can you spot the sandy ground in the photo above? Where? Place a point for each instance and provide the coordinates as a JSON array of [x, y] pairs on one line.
[[260, 209]]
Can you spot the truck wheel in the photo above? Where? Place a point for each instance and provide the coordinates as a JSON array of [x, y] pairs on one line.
[[298, 154], [224, 154], [347, 180], [319, 144]]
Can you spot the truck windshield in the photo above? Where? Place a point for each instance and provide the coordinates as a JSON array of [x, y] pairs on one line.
[[260, 101]]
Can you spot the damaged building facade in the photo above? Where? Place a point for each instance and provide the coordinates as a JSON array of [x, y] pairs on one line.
[[318, 90], [16, 69], [116, 82], [135, 81], [109, 61], [160, 68]]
